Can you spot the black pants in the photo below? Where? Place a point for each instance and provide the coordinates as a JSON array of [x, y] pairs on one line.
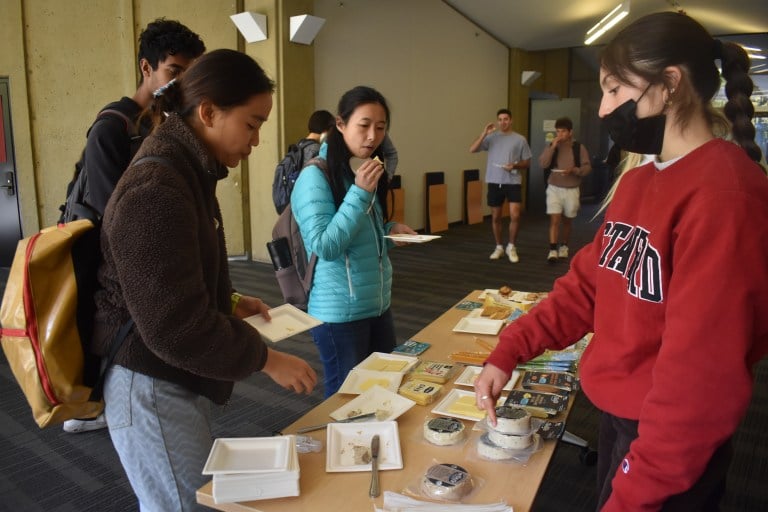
[[616, 434]]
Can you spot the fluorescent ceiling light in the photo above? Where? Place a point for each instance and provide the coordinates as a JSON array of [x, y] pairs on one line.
[[754, 53], [605, 24]]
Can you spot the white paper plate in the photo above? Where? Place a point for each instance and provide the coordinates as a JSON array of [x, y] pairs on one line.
[[412, 239], [383, 362], [479, 325], [459, 403], [387, 405], [347, 441], [470, 373], [359, 381], [248, 455], [287, 320]]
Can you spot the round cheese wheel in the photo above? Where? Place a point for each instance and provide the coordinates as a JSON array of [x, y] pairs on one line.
[[446, 482], [489, 450], [443, 431], [510, 441], [513, 420]]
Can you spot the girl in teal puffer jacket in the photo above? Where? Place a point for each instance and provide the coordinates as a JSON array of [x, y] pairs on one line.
[[342, 214]]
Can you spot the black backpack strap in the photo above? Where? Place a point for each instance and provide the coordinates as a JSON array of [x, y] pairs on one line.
[[97, 393], [130, 126], [576, 153], [156, 159]]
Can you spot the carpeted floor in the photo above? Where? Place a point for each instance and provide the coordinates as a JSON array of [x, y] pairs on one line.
[[47, 470]]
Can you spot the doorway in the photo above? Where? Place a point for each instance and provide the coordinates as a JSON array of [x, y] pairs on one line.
[[10, 213]]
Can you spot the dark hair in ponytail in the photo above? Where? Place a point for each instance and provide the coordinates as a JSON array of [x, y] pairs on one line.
[[227, 78], [652, 43], [738, 88], [339, 154]]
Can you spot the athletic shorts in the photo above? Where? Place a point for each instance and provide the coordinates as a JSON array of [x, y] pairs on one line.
[[563, 200], [498, 193]]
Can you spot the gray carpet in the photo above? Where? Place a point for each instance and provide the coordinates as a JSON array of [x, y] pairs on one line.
[[47, 470]]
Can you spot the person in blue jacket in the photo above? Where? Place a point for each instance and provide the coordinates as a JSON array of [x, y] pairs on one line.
[[341, 209]]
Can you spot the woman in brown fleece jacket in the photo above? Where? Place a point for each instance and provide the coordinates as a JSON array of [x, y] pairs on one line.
[[165, 267]]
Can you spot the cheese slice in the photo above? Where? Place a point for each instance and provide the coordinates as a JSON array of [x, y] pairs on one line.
[[369, 383], [465, 406], [387, 365]]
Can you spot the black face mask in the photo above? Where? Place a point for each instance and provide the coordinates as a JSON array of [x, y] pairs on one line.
[[645, 136]]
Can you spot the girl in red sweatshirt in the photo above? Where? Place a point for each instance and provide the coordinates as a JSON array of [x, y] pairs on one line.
[[674, 284]]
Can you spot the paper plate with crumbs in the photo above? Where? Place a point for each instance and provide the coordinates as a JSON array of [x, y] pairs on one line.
[[359, 381], [460, 403], [386, 405], [383, 362], [248, 455], [349, 446]]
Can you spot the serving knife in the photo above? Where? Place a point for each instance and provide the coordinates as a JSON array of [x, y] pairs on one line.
[[362, 417], [374, 491]]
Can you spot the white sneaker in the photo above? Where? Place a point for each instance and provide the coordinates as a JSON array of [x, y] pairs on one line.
[[552, 256], [512, 254], [497, 252], [76, 426], [562, 252]]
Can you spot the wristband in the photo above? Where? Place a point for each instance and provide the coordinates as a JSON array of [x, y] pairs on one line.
[[235, 297]]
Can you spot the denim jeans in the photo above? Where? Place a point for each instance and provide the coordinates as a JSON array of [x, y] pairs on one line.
[[162, 433], [343, 345]]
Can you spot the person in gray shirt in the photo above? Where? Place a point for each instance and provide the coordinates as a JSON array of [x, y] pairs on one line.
[[508, 153]]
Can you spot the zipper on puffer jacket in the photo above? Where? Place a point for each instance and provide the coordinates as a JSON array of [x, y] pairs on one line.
[[380, 250], [349, 276]]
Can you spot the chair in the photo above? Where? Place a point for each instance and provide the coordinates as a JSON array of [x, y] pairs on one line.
[[436, 201], [397, 200], [473, 194]]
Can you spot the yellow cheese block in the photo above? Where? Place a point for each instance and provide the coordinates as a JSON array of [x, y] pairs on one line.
[[420, 391], [433, 371]]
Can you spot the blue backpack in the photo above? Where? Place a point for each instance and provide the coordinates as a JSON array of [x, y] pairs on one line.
[[287, 171]]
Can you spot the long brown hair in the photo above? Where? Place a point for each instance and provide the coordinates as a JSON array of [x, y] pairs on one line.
[[652, 43]]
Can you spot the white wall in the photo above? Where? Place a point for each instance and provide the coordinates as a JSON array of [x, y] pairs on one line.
[[443, 77]]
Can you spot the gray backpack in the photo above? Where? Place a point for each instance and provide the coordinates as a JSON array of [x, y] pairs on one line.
[[293, 269]]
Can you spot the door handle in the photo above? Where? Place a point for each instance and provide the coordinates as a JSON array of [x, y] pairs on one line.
[[8, 183]]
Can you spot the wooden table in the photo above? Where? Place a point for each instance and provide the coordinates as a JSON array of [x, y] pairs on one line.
[[321, 491]]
